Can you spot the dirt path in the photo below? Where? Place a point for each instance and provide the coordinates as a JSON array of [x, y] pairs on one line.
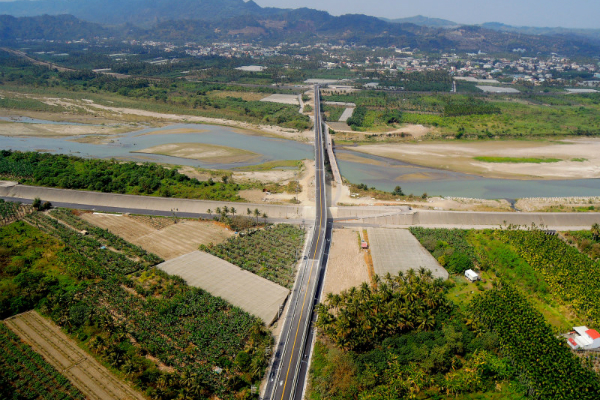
[[346, 267], [84, 372]]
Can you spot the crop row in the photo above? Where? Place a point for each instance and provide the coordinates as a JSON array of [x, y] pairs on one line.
[[190, 330], [106, 236], [28, 374], [546, 366], [270, 253], [104, 261], [571, 276]]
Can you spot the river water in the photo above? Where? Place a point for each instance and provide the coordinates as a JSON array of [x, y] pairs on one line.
[[379, 172]]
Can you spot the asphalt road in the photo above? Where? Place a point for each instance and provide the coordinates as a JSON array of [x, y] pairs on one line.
[[288, 371]]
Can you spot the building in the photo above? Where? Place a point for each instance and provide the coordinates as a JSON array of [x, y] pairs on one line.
[[584, 338], [471, 275]]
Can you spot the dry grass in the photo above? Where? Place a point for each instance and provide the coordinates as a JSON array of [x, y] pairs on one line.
[[346, 267], [161, 236]]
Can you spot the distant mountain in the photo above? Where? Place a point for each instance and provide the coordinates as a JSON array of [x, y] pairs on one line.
[[424, 21], [62, 27], [139, 12], [304, 26], [592, 34]]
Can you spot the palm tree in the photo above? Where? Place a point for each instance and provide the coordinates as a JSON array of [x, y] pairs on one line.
[[248, 212], [256, 214], [225, 210], [265, 216], [209, 211], [596, 231], [233, 211], [218, 210]]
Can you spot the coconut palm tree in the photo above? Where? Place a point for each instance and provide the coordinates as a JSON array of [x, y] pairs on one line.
[[596, 231], [256, 214]]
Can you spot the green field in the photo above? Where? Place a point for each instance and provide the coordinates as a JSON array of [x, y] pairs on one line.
[[106, 294], [24, 374], [500, 116]]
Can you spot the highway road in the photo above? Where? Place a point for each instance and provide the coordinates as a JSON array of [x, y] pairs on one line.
[[289, 365]]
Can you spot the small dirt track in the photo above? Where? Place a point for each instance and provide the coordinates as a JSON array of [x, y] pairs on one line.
[[85, 373]]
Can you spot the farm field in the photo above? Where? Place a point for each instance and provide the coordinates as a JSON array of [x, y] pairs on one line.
[[500, 258], [24, 374], [105, 294], [271, 253], [91, 378], [253, 294], [160, 235], [395, 250], [346, 266]]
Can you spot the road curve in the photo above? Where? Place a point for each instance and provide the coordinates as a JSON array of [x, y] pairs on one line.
[[285, 381]]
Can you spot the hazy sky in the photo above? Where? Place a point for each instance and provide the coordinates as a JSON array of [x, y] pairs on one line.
[[570, 14]]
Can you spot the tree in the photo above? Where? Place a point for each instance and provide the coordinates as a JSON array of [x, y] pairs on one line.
[[37, 202], [209, 211], [596, 231], [225, 210], [233, 211], [249, 212], [265, 216], [398, 191], [256, 214]]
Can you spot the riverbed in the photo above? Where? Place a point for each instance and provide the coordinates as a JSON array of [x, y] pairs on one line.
[[380, 172]]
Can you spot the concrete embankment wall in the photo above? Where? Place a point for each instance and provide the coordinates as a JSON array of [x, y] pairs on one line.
[[383, 216], [482, 219], [149, 203]]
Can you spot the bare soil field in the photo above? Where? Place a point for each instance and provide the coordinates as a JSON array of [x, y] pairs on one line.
[[168, 242], [346, 267], [396, 250], [84, 372], [204, 152], [248, 96], [580, 157], [282, 98]]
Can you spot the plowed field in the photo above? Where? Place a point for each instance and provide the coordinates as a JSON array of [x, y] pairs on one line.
[[85, 373], [169, 242]]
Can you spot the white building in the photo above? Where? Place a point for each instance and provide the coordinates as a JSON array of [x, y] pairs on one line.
[[471, 275], [584, 338]]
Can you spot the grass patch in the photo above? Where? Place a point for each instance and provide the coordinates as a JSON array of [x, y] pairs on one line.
[[579, 159], [517, 160]]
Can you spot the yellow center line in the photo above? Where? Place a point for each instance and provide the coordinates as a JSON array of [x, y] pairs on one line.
[[304, 301]]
